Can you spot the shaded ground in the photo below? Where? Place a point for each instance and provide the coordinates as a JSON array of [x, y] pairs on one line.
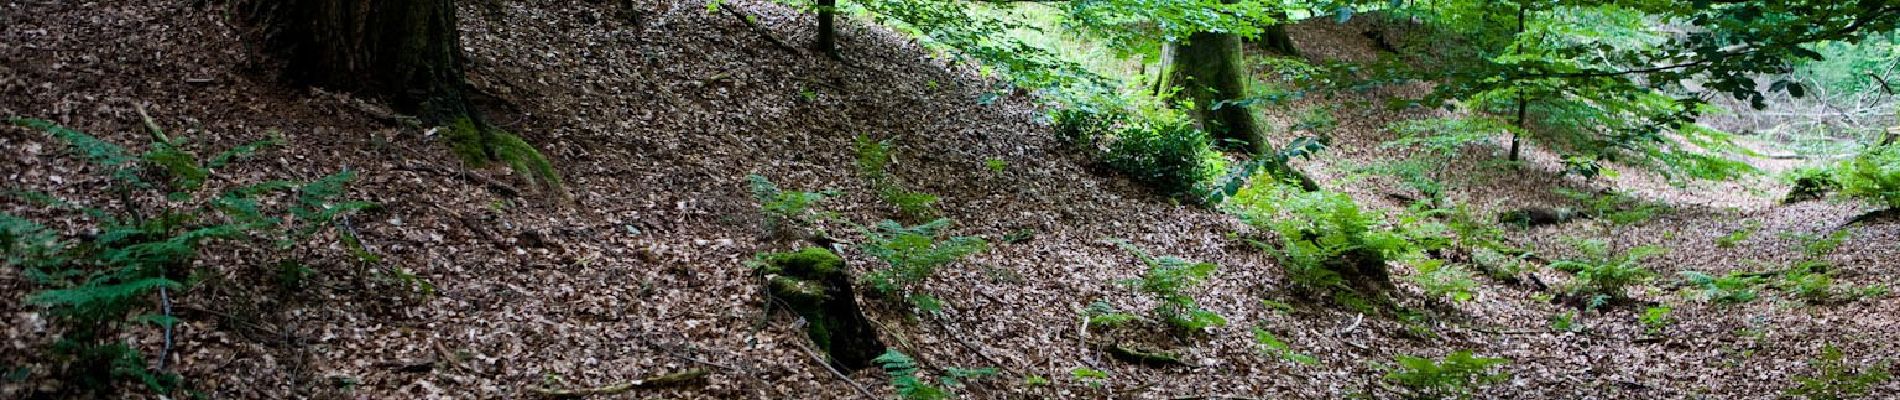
[[656, 113]]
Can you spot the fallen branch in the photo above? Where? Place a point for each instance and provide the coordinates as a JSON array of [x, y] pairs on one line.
[[1144, 357], [503, 188], [674, 379], [834, 371], [748, 21]]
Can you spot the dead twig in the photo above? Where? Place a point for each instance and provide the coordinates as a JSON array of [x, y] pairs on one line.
[[834, 371], [503, 188], [673, 379], [749, 22]]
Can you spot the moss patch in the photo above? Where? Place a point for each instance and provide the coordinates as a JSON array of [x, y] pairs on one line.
[[478, 145], [812, 282]]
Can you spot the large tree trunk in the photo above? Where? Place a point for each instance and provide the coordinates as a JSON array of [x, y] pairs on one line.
[[406, 53], [1207, 69]]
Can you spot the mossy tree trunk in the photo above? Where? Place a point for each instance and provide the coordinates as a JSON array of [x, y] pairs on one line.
[[1207, 69]]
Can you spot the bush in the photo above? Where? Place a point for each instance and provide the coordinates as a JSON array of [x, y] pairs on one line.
[[1153, 145], [913, 254], [1601, 276], [874, 160], [1451, 377], [1809, 183], [1166, 278], [92, 285], [1325, 240], [1873, 175]]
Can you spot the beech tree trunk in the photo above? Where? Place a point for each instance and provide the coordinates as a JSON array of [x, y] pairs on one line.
[[1207, 69], [406, 53]]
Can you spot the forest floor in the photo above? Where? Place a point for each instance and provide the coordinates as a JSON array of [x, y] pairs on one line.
[[656, 113]]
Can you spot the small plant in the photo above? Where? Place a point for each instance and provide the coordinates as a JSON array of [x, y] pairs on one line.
[[784, 209], [1732, 288], [1441, 279], [913, 253], [1738, 235], [996, 165], [1655, 319], [1272, 345], [1601, 276], [1835, 380], [1102, 314], [1565, 322], [1095, 378], [903, 372], [1450, 377], [1809, 183], [1034, 380], [1166, 278], [874, 161]]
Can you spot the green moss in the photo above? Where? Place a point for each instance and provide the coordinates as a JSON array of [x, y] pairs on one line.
[[808, 263], [797, 291], [473, 143]]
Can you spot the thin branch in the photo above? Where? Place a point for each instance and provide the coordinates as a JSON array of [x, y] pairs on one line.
[[680, 378], [834, 371], [747, 20]]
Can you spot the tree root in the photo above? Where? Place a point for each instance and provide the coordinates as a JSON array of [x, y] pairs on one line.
[[674, 379]]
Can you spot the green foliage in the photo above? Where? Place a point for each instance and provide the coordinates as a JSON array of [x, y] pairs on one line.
[[1808, 183], [1105, 315], [903, 372], [1272, 345], [1158, 147], [1564, 322], [1873, 175], [479, 145], [784, 208], [1090, 376], [91, 285], [1450, 377], [1601, 275], [1732, 288], [1441, 279], [1835, 380], [1321, 233], [1655, 319], [1166, 278], [1738, 235], [913, 254], [996, 165], [874, 161]]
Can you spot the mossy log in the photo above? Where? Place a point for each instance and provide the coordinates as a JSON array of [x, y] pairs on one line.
[[1147, 357], [814, 284]]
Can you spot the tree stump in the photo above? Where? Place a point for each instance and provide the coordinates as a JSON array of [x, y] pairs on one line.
[[814, 284]]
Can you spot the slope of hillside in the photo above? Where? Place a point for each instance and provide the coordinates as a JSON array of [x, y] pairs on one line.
[[655, 111]]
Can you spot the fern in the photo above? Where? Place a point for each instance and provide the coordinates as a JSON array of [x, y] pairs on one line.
[[903, 372], [92, 285], [913, 254], [1166, 278], [1450, 377]]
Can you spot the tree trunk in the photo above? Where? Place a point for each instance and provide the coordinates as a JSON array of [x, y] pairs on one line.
[[1207, 69], [827, 32], [405, 53], [1275, 39]]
